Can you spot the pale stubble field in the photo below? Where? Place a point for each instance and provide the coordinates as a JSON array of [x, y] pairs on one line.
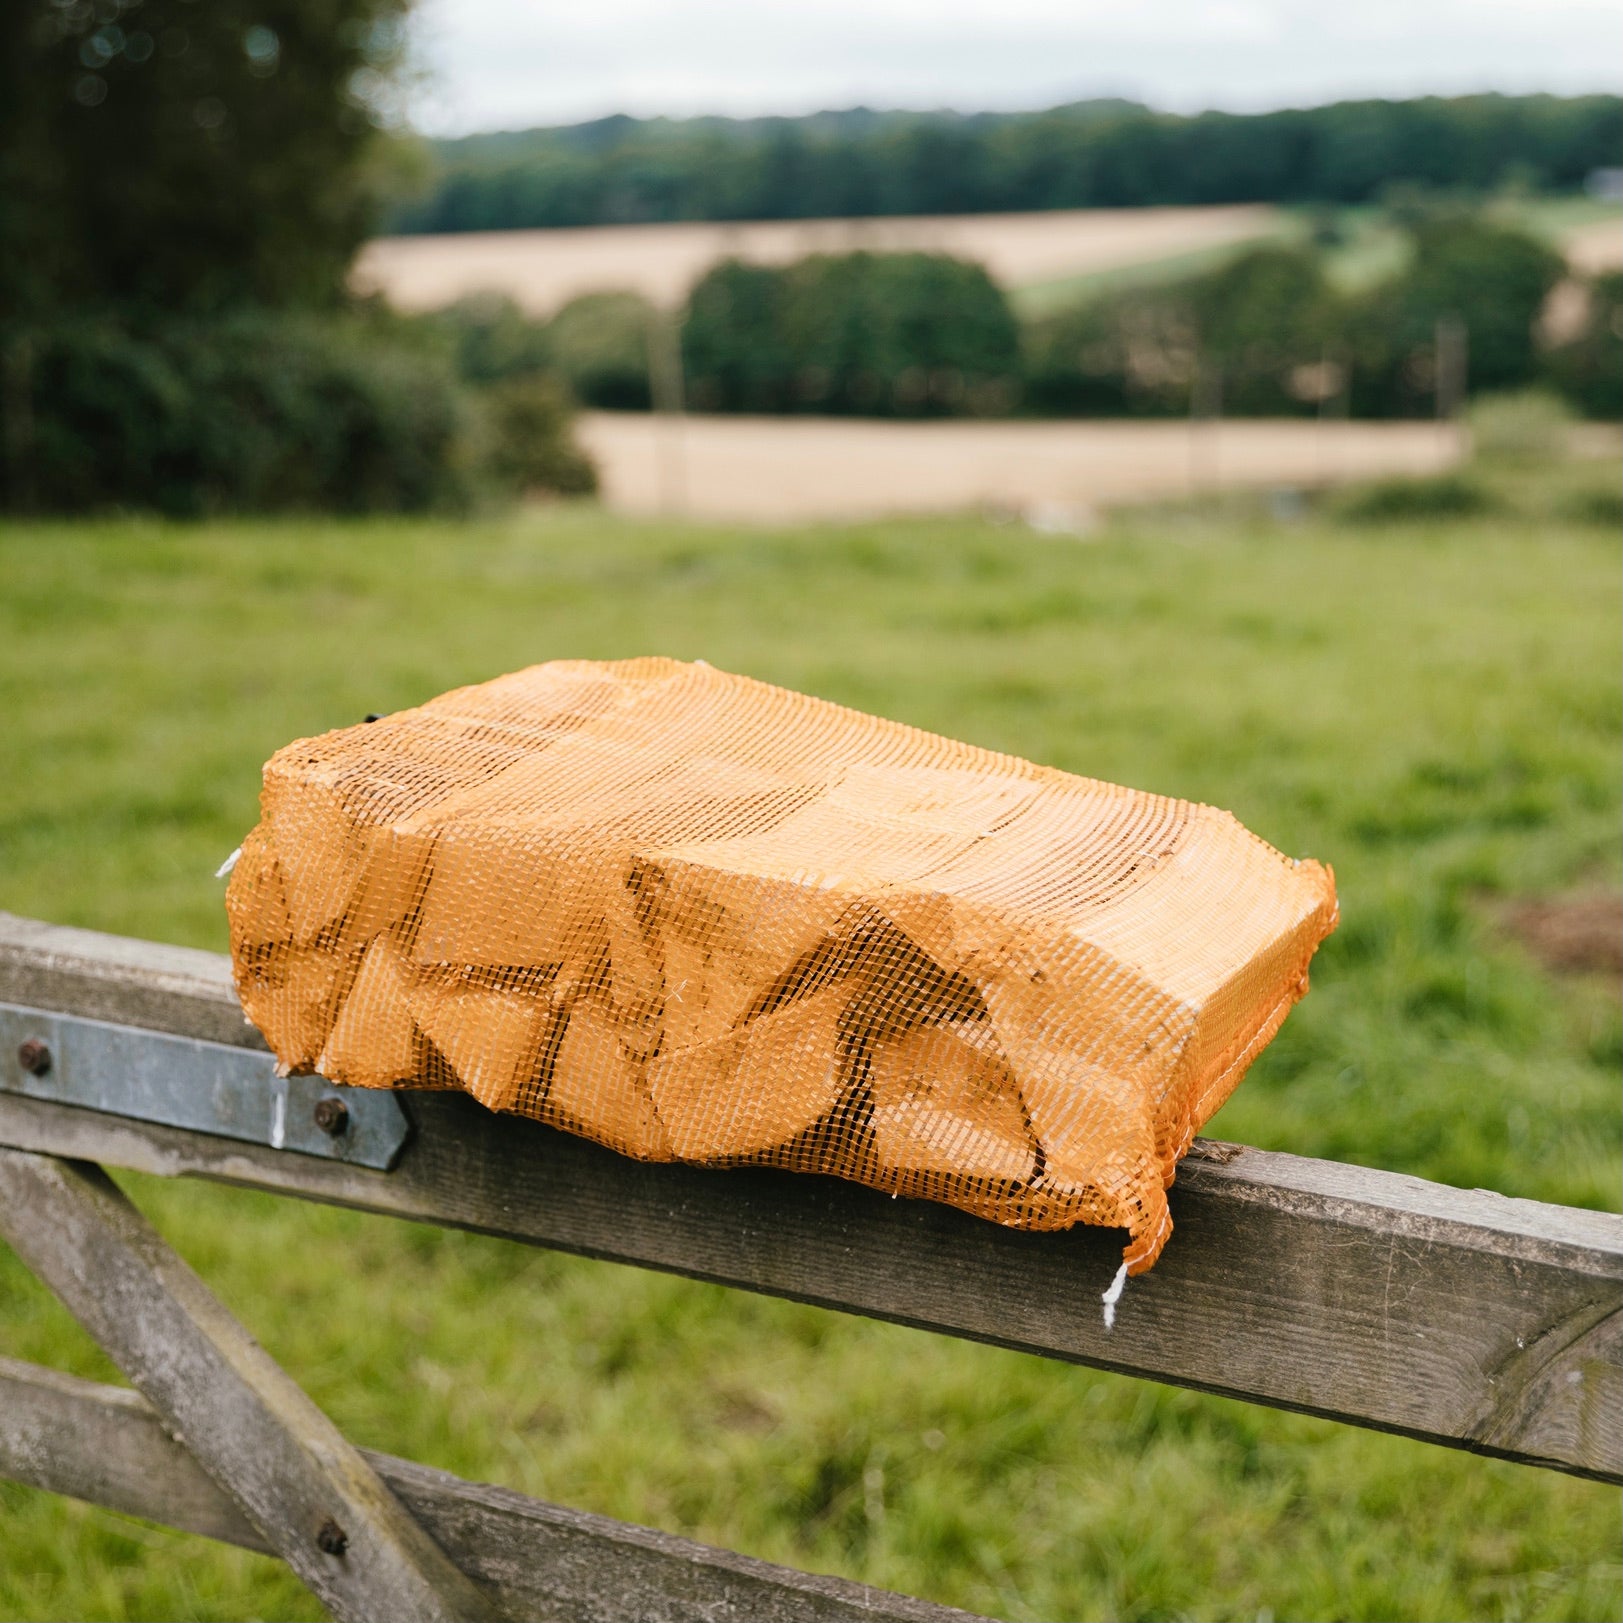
[[1053, 475], [542, 270]]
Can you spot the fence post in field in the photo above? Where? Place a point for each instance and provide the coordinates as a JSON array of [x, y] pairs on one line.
[[1205, 410], [1449, 381], [666, 393], [1333, 388]]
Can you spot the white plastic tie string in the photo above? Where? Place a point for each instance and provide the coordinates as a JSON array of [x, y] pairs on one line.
[[224, 870], [1113, 1295]]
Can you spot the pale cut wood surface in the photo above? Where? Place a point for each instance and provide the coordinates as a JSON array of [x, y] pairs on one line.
[[1458, 1316], [107, 1445], [288, 1469]]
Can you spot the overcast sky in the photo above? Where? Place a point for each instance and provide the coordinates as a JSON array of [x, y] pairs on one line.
[[503, 64]]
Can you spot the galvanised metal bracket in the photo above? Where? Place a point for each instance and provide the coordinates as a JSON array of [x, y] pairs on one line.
[[206, 1087]]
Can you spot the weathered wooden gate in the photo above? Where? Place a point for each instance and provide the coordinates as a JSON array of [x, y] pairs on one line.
[[1457, 1316]]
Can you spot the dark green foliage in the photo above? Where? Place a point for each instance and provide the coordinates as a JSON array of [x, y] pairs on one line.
[[1262, 334], [598, 345], [530, 449], [253, 412], [1589, 369], [1264, 320], [182, 189], [275, 411], [1090, 154], [1491, 277], [890, 335], [1595, 506], [735, 354], [490, 337], [175, 154], [1267, 335], [909, 335], [1123, 355], [1249, 338], [1399, 501]]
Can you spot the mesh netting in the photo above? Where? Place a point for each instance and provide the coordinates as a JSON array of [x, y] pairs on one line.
[[697, 918]]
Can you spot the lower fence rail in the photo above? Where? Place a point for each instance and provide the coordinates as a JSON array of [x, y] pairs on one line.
[[1460, 1317], [107, 1445]]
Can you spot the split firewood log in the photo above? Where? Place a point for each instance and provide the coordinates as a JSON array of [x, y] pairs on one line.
[[944, 1102], [373, 1042], [599, 1085], [296, 992], [756, 1089], [494, 1039]]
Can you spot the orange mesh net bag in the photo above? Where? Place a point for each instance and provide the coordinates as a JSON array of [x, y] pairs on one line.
[[698, 918]]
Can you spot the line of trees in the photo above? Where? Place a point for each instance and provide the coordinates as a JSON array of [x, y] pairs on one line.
[[1089, 154], [1269, 334], [923, 335]]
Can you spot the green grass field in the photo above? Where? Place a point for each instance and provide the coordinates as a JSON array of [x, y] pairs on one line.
[[1433, 707]]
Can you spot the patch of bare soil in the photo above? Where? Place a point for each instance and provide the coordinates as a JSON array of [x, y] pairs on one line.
[[1571, 935]]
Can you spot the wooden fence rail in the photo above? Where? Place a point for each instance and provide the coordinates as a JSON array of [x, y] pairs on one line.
[[1458, 1316], [108, 1445]]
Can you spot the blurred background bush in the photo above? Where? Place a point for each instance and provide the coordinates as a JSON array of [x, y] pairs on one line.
[[880, 335], [1588, 367], [182, 191], [1272, 334]]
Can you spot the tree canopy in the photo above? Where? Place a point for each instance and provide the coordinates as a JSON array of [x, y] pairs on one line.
[[172, 155], [909, 335]]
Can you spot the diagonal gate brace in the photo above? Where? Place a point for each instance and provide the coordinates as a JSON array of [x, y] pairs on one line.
[[307, 1490]]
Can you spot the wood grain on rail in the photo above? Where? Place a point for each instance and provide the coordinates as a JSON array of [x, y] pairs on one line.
[[1458, 1316]]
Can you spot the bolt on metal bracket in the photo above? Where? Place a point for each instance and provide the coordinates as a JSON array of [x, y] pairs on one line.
[[206, 1087]]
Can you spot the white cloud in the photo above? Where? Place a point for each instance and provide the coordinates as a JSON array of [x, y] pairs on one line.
[[504, 63]]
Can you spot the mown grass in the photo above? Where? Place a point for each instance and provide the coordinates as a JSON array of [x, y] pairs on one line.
[[1431, 706]]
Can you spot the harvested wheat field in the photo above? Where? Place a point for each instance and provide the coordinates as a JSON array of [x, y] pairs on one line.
[[1055, 475], [1596, 248], [544, 269]]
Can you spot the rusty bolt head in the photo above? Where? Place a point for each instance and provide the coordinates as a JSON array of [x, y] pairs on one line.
[[332, 1116], [331, 1539], [34, 1056]]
